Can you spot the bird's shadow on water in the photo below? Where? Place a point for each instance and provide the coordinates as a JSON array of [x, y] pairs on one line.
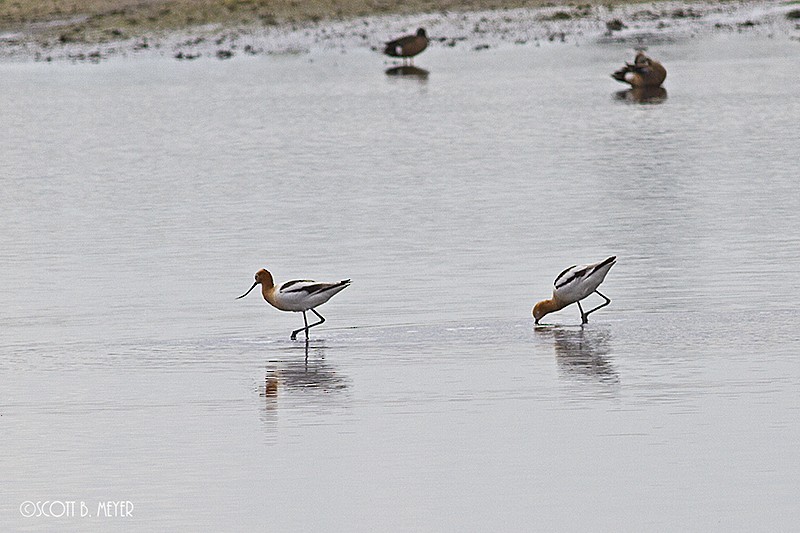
[[409, 72], [581, 352], [642, 95], [299, 377]]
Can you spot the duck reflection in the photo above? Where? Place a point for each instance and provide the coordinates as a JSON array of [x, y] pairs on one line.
[[581, 353], [642, 95], [408, 71]]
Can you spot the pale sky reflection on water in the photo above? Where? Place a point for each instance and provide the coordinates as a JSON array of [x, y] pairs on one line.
[[140, 197]]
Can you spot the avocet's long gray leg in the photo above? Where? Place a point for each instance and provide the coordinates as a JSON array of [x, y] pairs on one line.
[[584, 315], [295, 332], [306, 325], [584, 320], [321, 319]]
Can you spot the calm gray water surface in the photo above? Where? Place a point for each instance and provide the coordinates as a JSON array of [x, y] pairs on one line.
[[140, 197]]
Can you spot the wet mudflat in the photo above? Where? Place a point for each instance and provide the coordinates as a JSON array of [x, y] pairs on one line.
[[140, 197]]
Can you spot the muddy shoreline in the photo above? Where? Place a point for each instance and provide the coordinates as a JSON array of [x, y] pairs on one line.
[[91, 38]]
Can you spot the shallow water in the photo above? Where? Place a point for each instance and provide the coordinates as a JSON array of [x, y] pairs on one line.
[[141, 196]]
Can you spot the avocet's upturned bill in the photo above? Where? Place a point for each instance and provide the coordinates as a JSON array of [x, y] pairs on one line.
[[575, 284], [299, 295]]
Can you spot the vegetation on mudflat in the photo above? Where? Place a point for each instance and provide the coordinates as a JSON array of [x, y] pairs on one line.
[[98, 21]]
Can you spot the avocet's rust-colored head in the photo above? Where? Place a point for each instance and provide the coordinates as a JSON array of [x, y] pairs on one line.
[[538, 312], [264, 278], [544, 307]]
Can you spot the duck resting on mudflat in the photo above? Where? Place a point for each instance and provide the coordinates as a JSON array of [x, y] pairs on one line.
[[408, 46], [644, 72]]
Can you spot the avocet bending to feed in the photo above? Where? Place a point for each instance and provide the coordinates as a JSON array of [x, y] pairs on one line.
[[299, 295], [573, 285]]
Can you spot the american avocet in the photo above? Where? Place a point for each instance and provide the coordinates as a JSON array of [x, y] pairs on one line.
[[573, 285], [299, 295], [644, 72], [408, 46]]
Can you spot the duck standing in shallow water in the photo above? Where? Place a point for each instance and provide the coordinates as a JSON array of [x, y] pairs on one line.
[[573, 285], [407, 47], [299, 295], [644, 72]]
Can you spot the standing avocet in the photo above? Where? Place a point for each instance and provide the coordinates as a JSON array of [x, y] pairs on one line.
[[299, 295], [575, 284]]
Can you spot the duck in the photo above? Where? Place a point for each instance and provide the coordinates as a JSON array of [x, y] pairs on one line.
[[644, 72], [408, 46], [573, 285]]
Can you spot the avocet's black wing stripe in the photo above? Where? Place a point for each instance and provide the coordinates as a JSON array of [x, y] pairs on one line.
[[311, 288], [288, 284], [601, 264], [569, 275], [591, 269], [328, 286], [560, 282]]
